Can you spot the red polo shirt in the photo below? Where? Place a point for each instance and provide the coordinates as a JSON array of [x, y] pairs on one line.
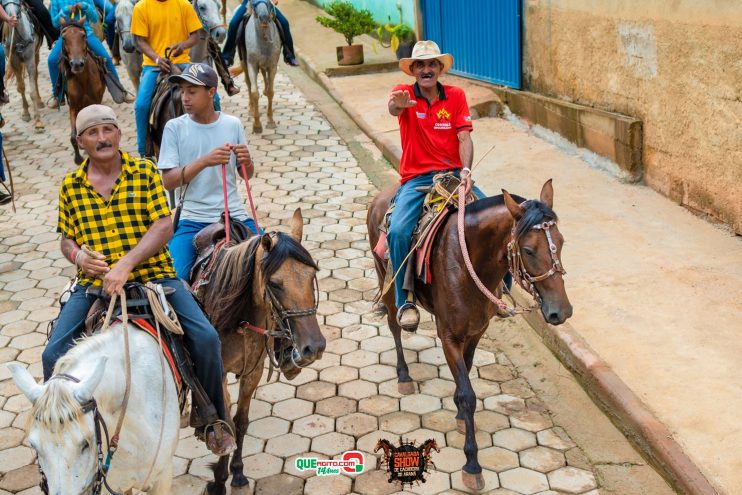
[[429, 132]]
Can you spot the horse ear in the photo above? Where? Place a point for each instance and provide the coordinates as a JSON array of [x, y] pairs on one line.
[[515, 209], [84, 390], [547, 194], [25, 382], [297, 225], [268, 241]]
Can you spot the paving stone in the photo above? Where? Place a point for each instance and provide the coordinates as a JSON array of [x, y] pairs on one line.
[[374, 483], [422, 372], [514, 439], [378, 373], [287, 445], [315, 391], [341, 347], [20, 479], [524, 481], [416, 342], [491, 482], [491, 421], [360, 358], [378, 405], [432, 356], [496, 372], [280, 483], [357, 424], [358, 389], [359, 332], [572, 480], [438, 387], [313, 425], [289, 466], [327, 485], [338, 374], [555, 438], [456, 439], [367, 443], [14, 458], [337, 406], [542, 459], [266, 428], [262, 465], [505, 404], [293, 409], [333, 443], [498, 459], [420, 403], [400, 422], [531, 421], [11, 437]]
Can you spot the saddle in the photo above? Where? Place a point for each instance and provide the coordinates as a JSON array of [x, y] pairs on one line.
[[166, 98], [208, 243], [140, 314], [241, 48], [440, 201]]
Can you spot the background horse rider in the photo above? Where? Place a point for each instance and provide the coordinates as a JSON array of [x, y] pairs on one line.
[[61, 11], [97, 195], [46, 25], [158, 25], [12, 21], [230, 45]]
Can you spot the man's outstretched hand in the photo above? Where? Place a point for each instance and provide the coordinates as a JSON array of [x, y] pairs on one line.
[[401, 99]]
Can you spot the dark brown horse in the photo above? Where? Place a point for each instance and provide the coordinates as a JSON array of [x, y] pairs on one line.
[[269, 282], [83, 76], [462, 312], [166, 105]]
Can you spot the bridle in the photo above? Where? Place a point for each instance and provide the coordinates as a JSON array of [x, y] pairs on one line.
[[194, 3], [101, 474], [518, 268], [268, 4], [65, 55]]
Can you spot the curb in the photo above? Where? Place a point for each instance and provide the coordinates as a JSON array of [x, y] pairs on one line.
[[628, 413]]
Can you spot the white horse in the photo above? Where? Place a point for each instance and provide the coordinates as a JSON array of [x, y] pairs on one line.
[[130, 54], [62, 426], [25, 44], [209, 14], [262, 45]]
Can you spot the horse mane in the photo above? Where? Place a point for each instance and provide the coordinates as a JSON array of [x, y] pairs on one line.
[[234, 275], [535, 211], [57, 406]]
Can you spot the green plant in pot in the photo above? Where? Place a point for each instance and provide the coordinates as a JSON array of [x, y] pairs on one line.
[[350, 22]]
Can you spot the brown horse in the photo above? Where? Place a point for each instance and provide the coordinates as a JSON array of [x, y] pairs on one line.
[[266, 283], [462, 312], [83, 76], [166, 105]]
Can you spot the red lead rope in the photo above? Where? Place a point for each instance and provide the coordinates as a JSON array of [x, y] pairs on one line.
[[226, 202], [249, 197]]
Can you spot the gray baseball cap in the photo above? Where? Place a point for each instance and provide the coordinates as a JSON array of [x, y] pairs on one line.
[[199, 74], [93, 115]]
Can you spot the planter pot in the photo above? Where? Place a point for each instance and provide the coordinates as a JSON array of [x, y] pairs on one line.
[[350, 55], [404, 50]]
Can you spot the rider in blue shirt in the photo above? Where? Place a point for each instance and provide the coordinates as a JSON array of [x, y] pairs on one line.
[[62, 9], [231, 43]]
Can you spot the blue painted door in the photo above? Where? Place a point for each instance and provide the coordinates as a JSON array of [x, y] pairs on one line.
[[484, 37]]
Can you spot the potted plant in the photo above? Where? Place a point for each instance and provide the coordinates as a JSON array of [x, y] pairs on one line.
[[402, 39], [350, 22]]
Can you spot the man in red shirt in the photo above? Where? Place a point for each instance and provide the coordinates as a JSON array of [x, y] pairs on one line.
[[434, 123]]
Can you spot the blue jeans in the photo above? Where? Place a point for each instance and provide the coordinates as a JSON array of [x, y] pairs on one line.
[[95, 45], [109, 21], [200, 339], [409, 203], [230, 45], [145, 93], [2, 163], [181, 245]]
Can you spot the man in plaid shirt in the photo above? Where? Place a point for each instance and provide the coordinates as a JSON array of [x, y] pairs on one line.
[[116, 206]]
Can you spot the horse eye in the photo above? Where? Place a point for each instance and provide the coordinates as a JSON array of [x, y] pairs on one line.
[[84, 447], [529, 251], [277, 286]]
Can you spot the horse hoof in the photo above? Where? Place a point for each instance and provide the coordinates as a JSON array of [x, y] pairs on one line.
[[461, 426], [406, 388], [257, 130], [39, 127], [213, 489], [238, 480], [474, 482], [26, 117], [271, 125]]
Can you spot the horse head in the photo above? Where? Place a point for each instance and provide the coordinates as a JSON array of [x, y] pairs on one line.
[[535, 253], [209, 13], [264, 10], [428, 445], [124, 10], [62, 427], [383, 444], [287, 283], [75, 45]]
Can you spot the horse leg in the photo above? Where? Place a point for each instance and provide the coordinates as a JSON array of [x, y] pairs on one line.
[[164, 482], [252, 75], [269, 78], [247, 387], [33, 78], [469, 350], [73, 136], [466, 403], [15, 63], [221, 473]]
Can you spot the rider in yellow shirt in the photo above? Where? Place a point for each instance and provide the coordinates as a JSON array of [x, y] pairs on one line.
[[157, 25]]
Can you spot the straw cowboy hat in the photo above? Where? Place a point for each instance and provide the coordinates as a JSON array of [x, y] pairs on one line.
[[425, 50]]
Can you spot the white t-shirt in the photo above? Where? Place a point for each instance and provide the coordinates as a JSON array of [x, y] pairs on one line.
[[185, 141]]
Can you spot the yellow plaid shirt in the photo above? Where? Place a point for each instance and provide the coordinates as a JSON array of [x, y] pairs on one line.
[[115, 226]]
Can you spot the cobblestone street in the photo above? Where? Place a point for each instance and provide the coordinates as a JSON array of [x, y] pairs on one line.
[[348, 399]]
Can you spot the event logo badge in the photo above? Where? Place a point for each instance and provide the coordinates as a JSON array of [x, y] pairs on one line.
[[351, 462], [407, 464]]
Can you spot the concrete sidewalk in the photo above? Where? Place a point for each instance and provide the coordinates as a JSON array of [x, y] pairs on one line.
[[656, 290]]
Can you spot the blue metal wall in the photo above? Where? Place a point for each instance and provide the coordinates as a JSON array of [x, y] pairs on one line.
[[484, 37]]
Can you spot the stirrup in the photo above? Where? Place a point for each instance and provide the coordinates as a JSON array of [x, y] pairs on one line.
[[400, 310]]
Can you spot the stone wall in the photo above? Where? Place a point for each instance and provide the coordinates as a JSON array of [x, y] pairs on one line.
[[676, 65]]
